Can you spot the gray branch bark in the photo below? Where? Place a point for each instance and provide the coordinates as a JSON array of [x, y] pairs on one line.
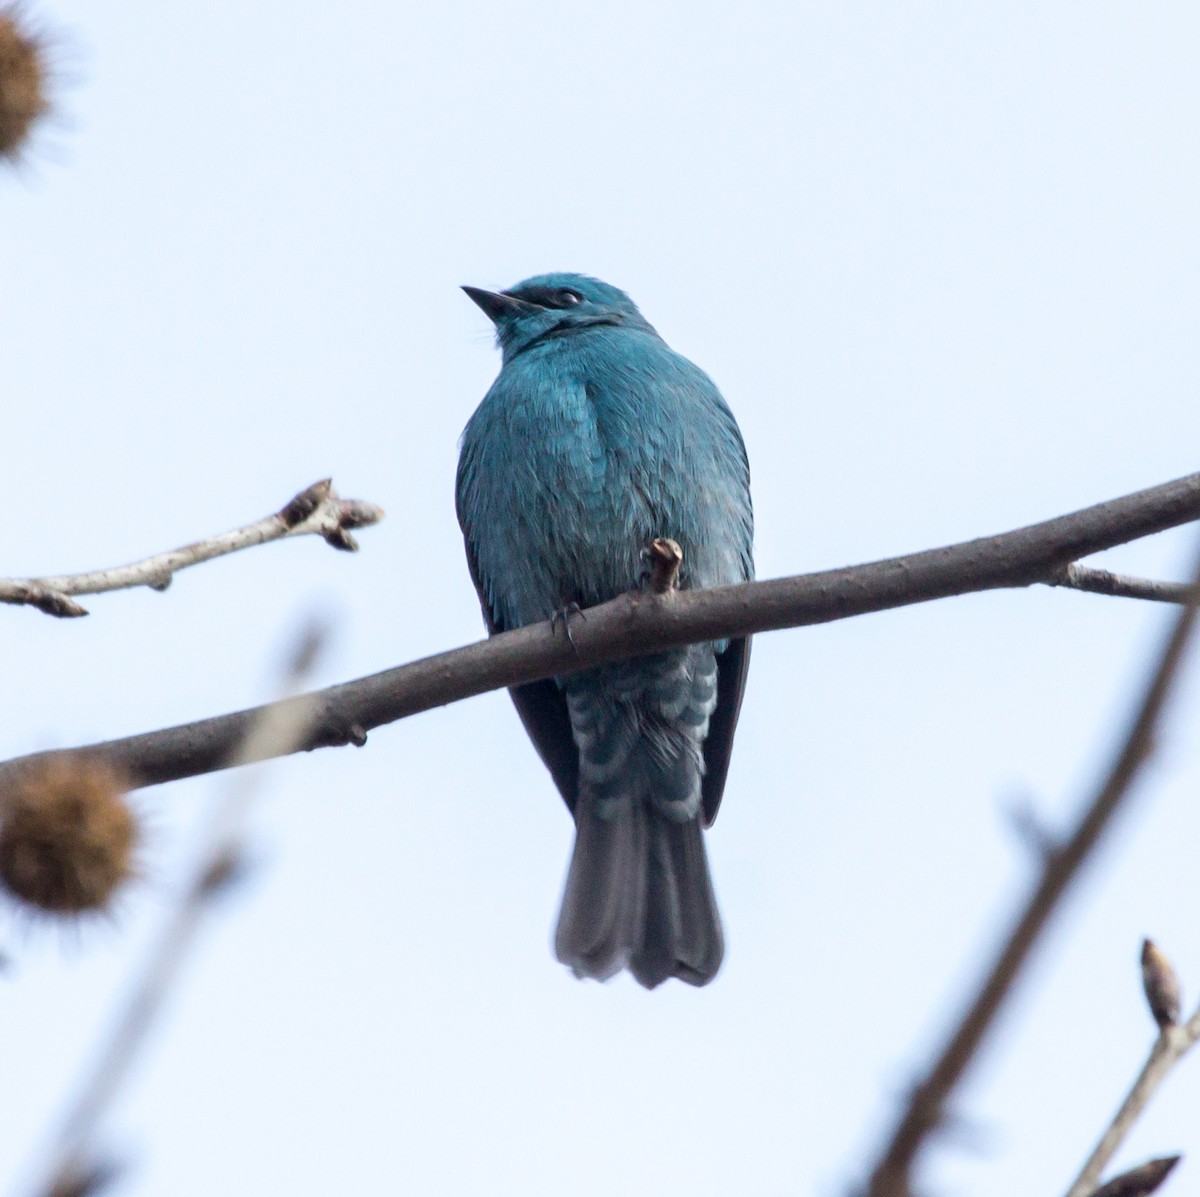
[[646, 622]]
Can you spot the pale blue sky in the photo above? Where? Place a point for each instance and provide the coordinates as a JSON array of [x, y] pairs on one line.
[[944, 262]]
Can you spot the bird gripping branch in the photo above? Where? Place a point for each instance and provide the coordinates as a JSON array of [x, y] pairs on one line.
[[595, 444]]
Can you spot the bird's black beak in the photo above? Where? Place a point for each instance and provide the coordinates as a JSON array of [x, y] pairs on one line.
[[497, 306]]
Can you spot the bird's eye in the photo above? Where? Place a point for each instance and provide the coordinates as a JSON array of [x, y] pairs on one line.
[[569, 298]]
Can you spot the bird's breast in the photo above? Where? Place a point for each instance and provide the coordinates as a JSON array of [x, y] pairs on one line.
[[572, 464]]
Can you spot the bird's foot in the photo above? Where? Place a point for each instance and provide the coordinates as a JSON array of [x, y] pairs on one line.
[[563, 616]]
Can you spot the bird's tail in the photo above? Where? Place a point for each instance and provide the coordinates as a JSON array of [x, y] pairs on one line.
[[639, 896]]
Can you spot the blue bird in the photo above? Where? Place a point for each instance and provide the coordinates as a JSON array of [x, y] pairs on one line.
[[595, 439]]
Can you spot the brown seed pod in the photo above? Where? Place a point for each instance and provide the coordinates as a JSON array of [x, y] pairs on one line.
[[23, 82], [67, 837]]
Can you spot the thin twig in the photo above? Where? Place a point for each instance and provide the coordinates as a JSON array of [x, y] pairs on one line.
[[1102, 581], [925, 1110], [1169, 1048], [275, 733], [644, 622], [316, 510]]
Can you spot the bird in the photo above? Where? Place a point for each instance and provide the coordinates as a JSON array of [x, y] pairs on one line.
[[594, 440]]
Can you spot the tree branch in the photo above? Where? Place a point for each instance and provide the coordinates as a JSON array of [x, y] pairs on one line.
[[1101, 581], [1173, 1043], [1169, 1048], [642, 622], [314, 511], [927, 1105]]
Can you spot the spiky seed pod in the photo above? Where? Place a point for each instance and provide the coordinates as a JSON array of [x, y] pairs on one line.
[[1161, 985], [23, 82], [67, 837]]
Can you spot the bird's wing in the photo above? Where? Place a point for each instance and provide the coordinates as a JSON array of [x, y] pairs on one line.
[[732, 666], [542, 706], [543, 710]]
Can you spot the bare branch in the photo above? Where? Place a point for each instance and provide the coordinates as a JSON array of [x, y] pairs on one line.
[[1030, 830], [644, 622], [1101, 581], [1169, 1048], [926, 1107], [1173, 1043], [315, 511]]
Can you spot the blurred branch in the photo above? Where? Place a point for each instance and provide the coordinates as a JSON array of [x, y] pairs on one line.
[[926, 1108], [1173, 1043], [275, 732], [315, 511], [645, 622]]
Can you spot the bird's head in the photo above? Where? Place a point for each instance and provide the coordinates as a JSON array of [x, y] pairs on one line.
[[552, 305]]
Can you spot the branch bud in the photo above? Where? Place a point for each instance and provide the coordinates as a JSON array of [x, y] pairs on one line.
[[299, 507], [1139, 1181], [52, 602], [358, 513], [1161, 985]]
